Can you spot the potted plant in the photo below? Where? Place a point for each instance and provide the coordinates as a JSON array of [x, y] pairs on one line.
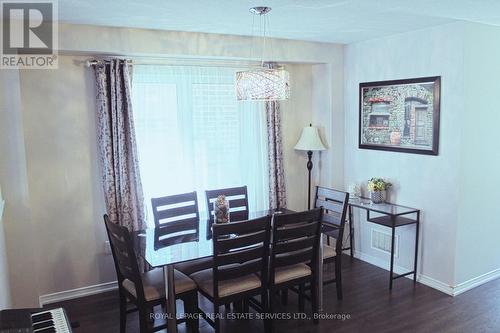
[[378, 188]]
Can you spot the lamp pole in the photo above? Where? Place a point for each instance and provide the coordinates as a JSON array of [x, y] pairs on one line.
[[309, 167]]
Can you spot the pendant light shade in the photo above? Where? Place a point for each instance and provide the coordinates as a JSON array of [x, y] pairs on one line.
[[263, 84], [266, 83]]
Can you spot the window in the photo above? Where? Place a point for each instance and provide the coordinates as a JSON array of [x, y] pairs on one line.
[[193, 135]]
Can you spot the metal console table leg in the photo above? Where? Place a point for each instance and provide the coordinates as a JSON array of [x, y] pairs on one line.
[[393, 236], [417, 230], [351, 233]]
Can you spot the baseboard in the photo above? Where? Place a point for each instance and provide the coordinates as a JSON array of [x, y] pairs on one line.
[[431, 282], [435, 284], [378, 262], [77, 293], [476, 282], [428, 281]]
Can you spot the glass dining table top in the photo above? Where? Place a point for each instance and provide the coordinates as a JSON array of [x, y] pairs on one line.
[[150, 246], [384, 208]]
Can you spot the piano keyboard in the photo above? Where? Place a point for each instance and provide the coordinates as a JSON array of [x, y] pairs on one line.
[[51, 321]]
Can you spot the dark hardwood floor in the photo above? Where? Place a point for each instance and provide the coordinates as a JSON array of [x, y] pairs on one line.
[[371, 307]]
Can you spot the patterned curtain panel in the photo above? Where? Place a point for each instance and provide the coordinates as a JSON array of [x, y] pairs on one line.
[[117, 145], [277, 191]]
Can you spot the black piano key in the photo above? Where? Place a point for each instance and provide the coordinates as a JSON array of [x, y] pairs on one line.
[[41, 317], [43, 324]]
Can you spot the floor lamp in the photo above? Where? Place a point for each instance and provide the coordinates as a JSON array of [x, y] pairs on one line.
[[309, 141]]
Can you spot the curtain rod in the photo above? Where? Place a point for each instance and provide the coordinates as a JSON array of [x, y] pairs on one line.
[[177, 61], [94, 62]]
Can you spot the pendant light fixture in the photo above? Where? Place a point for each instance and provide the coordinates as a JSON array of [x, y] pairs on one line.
[[268, 83]]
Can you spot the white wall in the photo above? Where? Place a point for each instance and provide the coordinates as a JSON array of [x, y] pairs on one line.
[[66, 205], [5, 300], [478, 245], [328, 115], [17, 221], [430, 183], [156, 43], [51, 180], [296, 113]]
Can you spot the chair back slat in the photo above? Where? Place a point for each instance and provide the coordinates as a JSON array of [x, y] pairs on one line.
[[294, 218], [186, 225], [331, 194], [177, 219], [169, 214], [330, 205], [124, 255], [238, 202], [161, 241], [297, 257], [241, 215], [224, 229], [295, 245], [332, 218], [236, 270], [240, 249], [240, 256], [242, 202], [244, 240], [295, 231], [175, 207], [335, 204], [296, 238]]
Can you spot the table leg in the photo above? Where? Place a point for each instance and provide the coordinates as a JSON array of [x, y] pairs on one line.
[[392, 257], [168, 272], [320, 276], [417, 226], [351, 232]]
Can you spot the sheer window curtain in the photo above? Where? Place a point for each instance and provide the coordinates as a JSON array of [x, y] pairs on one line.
[[192, 134]]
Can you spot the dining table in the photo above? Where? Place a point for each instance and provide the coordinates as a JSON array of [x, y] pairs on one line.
[[161, 254]]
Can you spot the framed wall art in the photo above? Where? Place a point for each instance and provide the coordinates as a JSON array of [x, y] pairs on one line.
[[400, 115]]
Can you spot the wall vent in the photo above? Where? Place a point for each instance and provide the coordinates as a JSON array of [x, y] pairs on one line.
[[381, 241]]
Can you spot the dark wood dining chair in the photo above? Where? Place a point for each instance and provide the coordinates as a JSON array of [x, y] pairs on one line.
[[177, 220], [145, 290], [334, 205], [295, 255], [173, 208], [238, 202], [240, 266]]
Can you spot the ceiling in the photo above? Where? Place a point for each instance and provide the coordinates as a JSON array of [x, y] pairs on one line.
[[339, 21]]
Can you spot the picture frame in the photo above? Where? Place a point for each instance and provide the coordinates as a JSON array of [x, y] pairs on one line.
[[400, 115]]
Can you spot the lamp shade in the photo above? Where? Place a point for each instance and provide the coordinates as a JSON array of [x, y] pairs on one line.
[[310, 140], [262, 84]]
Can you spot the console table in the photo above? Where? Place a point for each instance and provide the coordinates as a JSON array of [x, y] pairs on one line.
[[392, 216]]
